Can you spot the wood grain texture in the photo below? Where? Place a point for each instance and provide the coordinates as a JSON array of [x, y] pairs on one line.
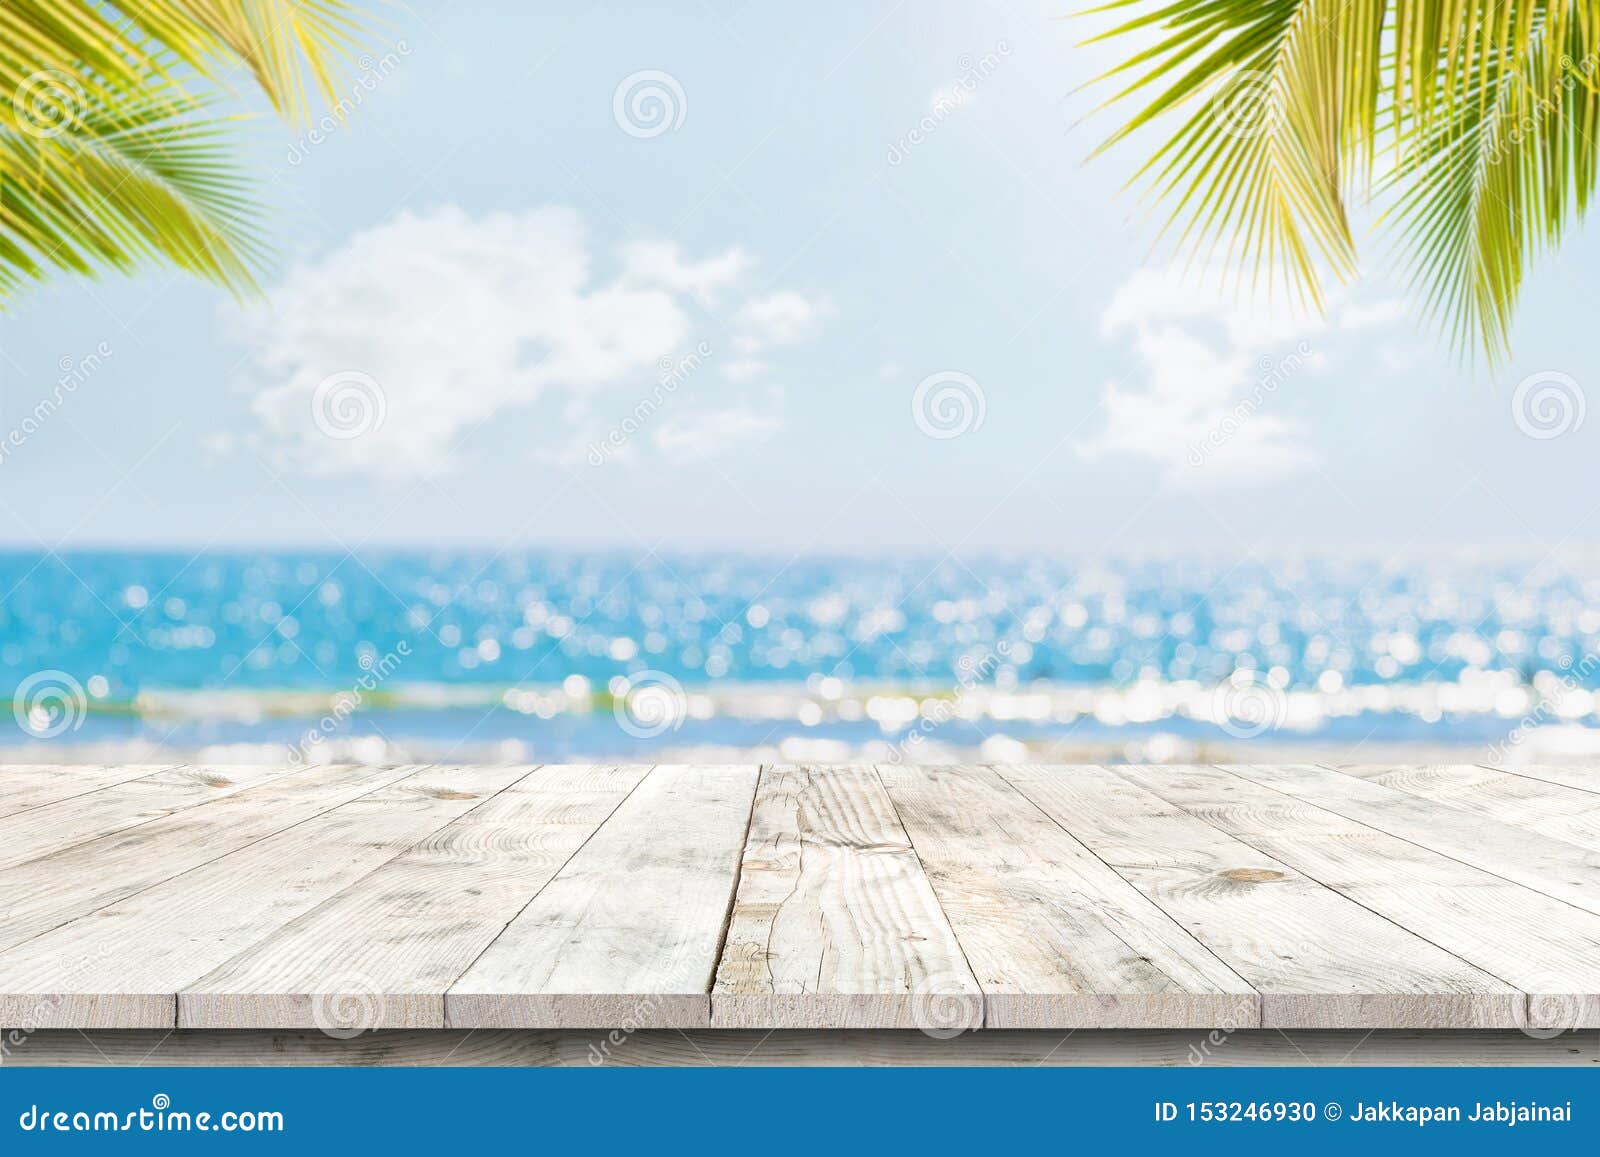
[[121, 966], [382, 952], [790, 1048], [24, 786], [51, 827], [50, 891], [1546, 809], [1580, 778], [1055, 937], [1543, 946], [629, 931], [1319, 959], [1556, 868], [625, 899], [835, 925]]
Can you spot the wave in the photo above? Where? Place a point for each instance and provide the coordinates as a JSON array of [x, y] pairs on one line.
[[1251, 698]]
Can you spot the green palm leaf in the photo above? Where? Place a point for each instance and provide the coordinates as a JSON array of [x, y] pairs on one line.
[[110, 154], [1483, 112]]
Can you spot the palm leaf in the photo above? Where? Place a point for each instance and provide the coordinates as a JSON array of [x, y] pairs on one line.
[[1503, 177], [1443, 83], [110, 154]]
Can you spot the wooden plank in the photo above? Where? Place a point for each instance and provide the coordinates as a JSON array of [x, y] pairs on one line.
[[1319, 959], [382, 953], [1054, 936], [307, 899], [1553, 867], [1580, 778], [1543, 946], [45, 893], [628, 932], [835, 925], [121, 967], [49, 828], [25, 786], [1547, 809], [748, 1048]]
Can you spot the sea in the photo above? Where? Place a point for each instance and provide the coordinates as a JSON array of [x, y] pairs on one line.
[[415, 656]]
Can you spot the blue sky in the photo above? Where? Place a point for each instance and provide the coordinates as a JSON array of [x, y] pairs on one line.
[[841, 216]]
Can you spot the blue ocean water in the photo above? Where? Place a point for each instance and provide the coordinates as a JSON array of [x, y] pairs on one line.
[[551, 654]]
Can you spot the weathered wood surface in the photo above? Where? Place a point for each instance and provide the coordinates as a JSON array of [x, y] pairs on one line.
[[1583, 778], [1319, 959], [49, 827], [42, 893], [834, 921], [1056, 936], [1566, 871], [1544, 947], [26, 786], [382, 952], [725, 899], [1560, 812], [123, 963], [629, 931], [751, 1048]]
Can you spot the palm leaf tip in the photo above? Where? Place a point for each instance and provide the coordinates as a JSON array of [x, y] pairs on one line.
[[110, 154], [1282, 106]]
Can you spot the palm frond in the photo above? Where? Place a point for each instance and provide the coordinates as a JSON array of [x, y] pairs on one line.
[[110, 154], [152, 180], [1488, 106], [284, 43], [1498, 181], [1253, 171]]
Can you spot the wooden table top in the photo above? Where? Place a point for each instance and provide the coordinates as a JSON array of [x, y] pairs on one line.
[[782, 897]]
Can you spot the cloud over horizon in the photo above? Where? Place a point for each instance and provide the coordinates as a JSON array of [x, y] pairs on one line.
[[1199, 400], [380, 357]]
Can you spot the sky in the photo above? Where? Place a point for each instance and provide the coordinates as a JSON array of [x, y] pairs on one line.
[[764, 277]]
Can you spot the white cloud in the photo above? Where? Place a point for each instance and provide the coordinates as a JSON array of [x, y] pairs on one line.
[[450, 318], [694, 437], [1359, 315], [743, 369], [1208, 367], [662, 263], [781, 318]]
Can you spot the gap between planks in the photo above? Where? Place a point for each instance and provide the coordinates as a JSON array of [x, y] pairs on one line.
[[716, 925]]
